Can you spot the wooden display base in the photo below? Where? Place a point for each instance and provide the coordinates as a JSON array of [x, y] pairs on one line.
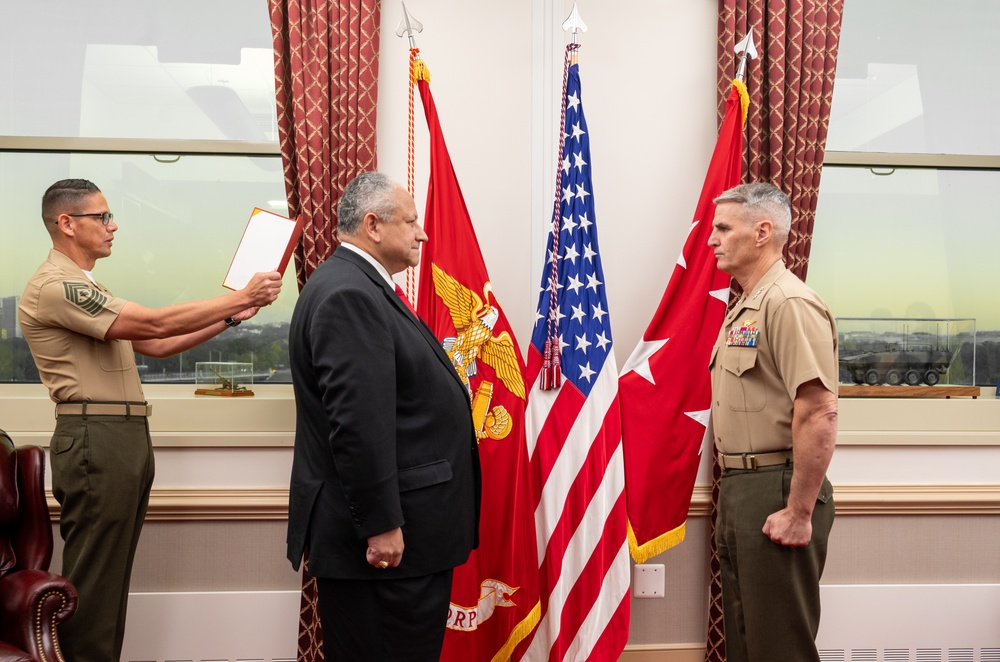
[[939, 391], [222, 391]]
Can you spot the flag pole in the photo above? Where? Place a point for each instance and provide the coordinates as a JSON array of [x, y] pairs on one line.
[[574, 23], [748, 50], [408, 25], [715, 646]]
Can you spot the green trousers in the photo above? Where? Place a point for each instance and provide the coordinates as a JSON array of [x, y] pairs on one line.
[[102, 471], [770, 593]]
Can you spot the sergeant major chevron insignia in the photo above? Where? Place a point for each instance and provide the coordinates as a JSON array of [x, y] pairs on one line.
[[85, 296]]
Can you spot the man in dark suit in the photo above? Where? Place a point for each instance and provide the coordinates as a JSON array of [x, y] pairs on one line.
[[385, 450]]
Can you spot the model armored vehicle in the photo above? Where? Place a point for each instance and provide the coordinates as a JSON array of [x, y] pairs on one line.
[[891, 363]]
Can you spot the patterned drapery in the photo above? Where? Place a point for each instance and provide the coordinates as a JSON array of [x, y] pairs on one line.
[[326, 84], [791, 88]]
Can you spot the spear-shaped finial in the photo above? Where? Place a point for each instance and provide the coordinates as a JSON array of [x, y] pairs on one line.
[[747, 48], [408, 25], [574, 23]]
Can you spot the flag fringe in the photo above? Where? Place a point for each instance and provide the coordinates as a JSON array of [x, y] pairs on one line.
[[418, 70], [741, 87], [521, 630], [644, 552]]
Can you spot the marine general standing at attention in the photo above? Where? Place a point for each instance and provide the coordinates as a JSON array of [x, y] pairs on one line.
[[82, 338], [385, 484], [774, 409]]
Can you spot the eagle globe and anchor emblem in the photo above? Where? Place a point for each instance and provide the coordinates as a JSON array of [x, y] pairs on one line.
[[474, 341]]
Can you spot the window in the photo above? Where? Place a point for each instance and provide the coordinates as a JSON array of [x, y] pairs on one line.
[[169, 108], [173, 69], [906, 224]]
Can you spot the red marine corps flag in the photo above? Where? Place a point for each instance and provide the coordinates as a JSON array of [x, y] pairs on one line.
[[664, 387], [494, 598]]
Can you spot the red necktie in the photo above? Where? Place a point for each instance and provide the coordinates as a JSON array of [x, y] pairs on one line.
[[402, 295]]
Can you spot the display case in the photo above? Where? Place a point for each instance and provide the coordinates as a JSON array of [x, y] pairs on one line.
[[223, 378], [907, 351]]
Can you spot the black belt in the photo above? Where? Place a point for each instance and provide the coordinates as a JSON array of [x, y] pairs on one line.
[[126, 409], [754, 461]]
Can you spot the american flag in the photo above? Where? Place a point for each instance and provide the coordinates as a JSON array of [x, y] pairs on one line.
[[574, 429]]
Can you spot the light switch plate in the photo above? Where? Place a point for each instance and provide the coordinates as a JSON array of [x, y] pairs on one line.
[[648, 580]]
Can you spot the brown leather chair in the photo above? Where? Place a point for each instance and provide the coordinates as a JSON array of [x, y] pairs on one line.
[[33, 601]]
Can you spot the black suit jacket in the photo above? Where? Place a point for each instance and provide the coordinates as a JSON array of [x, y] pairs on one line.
[[383, 434]]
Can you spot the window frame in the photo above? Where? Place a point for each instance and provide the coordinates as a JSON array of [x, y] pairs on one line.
[[890, 160], [914, 161]]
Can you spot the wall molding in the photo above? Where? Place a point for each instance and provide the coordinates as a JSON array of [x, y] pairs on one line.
[[179, 505], [193, 505], [917, 499], [892, 500]]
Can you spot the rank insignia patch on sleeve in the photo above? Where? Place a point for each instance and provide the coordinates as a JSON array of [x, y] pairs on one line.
[[85, 297]]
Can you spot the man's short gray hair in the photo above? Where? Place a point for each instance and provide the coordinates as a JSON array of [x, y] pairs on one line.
[[762, 200], [368, 193]]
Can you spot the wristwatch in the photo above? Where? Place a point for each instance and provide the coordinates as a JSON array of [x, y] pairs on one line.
[[231, 322]]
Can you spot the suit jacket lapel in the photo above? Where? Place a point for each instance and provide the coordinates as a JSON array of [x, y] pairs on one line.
[[401, 306]]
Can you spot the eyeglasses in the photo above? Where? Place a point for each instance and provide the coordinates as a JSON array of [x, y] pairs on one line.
[[105, 216]]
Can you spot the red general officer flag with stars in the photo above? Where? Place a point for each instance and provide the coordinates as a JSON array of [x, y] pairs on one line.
[[494, 597], [665, 387]]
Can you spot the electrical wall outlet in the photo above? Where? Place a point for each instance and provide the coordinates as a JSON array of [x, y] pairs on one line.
[[648, 580]]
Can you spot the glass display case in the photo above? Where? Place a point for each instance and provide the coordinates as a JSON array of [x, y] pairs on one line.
[[907, 351], [223, 378]]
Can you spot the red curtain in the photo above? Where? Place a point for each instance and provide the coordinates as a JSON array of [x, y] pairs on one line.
[[326, 83], [326, 80], [791, 87]]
